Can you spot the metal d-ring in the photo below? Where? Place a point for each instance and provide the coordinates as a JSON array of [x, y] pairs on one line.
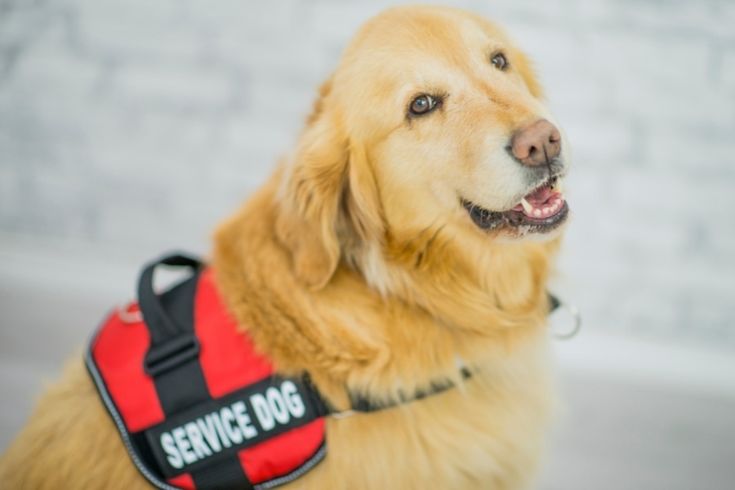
[[576, 322]]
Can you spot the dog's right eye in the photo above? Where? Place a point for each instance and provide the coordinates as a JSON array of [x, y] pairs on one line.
[[423, 104]]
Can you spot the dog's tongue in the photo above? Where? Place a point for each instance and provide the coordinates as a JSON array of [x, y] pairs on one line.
[[540, 196]]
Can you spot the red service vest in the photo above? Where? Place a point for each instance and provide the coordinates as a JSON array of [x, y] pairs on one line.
[[208, 411], [197, 406]]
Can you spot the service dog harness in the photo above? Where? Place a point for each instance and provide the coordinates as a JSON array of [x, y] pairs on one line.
[[196, 405]]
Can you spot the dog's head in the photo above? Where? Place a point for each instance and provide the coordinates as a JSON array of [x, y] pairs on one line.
[[432, 124]]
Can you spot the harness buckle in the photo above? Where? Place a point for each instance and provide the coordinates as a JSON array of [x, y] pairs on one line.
[[170, 354]]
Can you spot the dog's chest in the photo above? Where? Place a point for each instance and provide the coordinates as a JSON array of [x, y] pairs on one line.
[[464, 438]]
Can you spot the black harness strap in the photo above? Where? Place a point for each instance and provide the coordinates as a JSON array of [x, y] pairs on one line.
[[173, 359], [362, 404]]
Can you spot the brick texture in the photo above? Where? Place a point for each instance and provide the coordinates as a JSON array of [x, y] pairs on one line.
[[140, 124]]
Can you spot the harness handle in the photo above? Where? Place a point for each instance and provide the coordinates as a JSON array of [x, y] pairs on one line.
[[171, 344]]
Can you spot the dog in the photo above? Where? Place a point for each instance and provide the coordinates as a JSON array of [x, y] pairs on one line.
[[412, 228]]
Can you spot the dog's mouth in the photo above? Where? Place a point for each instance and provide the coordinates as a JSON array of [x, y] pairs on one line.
[[539, 211]]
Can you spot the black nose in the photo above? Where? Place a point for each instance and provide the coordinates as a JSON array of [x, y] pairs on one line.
[[536, 144]]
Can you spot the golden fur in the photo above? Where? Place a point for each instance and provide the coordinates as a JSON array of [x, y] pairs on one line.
[[356, 263]]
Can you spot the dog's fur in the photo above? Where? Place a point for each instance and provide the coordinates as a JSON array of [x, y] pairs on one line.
[[357, 263]]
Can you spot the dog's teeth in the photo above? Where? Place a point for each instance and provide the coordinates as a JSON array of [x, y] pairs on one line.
[[526, 206], [537, 213]]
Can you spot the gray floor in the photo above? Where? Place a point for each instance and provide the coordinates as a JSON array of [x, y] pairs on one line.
[[628, 436], [615, 434]]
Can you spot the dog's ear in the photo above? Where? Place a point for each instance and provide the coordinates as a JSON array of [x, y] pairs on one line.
[[311, 195], [328, 197]]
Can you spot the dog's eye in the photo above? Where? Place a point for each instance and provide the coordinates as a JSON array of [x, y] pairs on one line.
[[499, 61], [423, 104]]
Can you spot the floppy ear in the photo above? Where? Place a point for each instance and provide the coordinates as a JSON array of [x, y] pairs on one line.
[[311, 194], [328, 197]]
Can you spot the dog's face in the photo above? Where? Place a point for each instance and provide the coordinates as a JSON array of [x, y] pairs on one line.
[[456, 128], [432, 121]]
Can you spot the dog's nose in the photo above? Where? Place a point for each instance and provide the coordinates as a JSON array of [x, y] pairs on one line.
[[536, 144]]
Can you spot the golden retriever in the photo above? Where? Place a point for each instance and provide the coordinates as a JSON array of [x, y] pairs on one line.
[[411, 228]]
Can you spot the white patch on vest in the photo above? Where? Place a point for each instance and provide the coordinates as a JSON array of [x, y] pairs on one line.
[[206, 426], [243, 420], [265, 417], [294, 402], [233, 432], [183, 444], [231, 425], [197, 443], [220, 430], [172, 454]]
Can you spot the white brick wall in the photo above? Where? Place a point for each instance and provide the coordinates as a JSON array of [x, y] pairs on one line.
[[137, 125]]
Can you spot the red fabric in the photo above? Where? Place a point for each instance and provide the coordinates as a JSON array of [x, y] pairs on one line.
[[119, 351], [229, 362], [282, 454], [227, 356], [183, 481]]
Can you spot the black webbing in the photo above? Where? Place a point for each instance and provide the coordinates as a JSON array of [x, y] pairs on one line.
[[173, 359], [362, 404], [162, 328]]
